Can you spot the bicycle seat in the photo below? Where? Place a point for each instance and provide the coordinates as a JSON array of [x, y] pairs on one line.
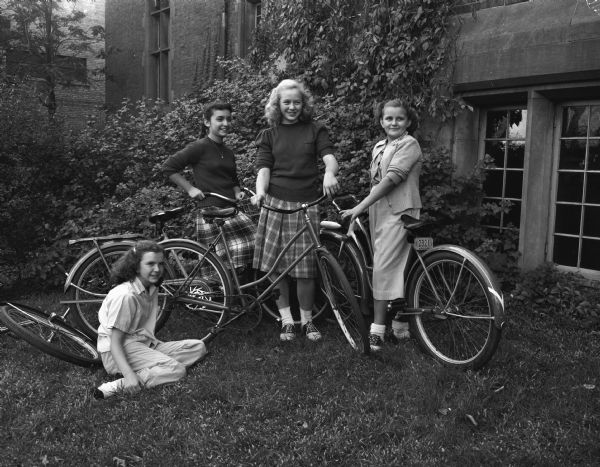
[[411, 224], [162, 216], [213, 212]]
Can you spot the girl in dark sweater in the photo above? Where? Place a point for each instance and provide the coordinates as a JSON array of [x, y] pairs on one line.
[[214, 170], [288, 176]]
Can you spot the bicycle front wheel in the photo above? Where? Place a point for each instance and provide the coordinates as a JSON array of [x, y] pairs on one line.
[[458, 327], [210, 283], [91, 282], [349, 258], [50, 334], [342, 301]]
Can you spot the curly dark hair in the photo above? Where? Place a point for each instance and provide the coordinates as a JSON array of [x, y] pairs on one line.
[[126, 267], [411, 113]]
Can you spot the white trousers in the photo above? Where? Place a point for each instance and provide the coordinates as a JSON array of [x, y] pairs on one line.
[[165, 363]]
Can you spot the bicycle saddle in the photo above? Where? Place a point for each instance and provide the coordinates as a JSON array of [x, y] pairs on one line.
[[162, 216], [213, 212], [411, 224]]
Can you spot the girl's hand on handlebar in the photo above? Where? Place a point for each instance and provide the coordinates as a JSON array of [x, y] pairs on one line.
[[241, 195], [196, 193], [330, 184], [353, 214], [258, 199]]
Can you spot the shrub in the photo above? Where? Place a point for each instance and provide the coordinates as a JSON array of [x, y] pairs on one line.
[[548, 292]]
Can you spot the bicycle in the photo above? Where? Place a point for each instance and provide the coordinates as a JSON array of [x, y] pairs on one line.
[[454, 302], [88, 281], [49, 333]]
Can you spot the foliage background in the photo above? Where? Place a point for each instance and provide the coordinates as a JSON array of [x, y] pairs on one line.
[[106, 179]]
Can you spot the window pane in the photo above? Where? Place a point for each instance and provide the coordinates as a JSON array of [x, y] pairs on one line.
[[496, 124], [568, 218], [514, 184], [154, 33], [492, 185], [516, 154], [570, 187], [164, 30], [513, 216], [592, 193], [518, 123], [594, 155], [590, 254], [495, 149], [572, 155], [595, 120], [575, 121], [495, 218], [565, 250], [591, 221]]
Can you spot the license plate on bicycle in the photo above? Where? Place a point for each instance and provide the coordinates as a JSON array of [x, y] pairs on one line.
[[423, 243]]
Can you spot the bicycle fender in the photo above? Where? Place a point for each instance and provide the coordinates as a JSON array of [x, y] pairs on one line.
[[479, 264], [84, 258]]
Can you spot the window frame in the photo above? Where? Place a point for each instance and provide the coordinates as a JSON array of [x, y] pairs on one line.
[[483, 117], [557, 137]]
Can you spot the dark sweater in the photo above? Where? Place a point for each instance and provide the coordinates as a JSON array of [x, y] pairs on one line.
[[213, 166], [292, 152]]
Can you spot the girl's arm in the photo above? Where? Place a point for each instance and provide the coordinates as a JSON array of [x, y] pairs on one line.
[[132, 382], [377, 192], [186, 186], [262, 185], [330, 183]]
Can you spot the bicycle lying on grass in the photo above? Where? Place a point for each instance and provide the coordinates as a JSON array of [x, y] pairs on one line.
[[455, 305], [199, 280]]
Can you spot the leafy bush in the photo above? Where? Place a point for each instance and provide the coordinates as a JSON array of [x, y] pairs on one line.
[[546, 291]]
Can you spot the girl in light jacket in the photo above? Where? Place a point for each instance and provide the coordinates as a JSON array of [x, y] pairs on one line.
[[395, 168]]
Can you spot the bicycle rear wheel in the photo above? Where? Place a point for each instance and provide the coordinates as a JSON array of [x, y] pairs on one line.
[[90, 282], [459, 329], [211, 284], [342, 301], [50, 334]]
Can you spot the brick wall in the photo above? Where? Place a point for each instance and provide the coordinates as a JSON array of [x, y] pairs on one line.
[[125, 42], [198, 34]]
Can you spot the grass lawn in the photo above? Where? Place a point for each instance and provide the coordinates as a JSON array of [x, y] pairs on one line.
[[256, 401]]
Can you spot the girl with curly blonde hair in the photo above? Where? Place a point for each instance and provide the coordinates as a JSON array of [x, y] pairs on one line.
[[288, 175]]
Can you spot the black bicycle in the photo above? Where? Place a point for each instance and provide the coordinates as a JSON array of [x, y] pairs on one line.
[[455, 304]]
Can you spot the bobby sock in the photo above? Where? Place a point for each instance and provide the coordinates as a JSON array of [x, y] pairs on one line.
[[286, 316]]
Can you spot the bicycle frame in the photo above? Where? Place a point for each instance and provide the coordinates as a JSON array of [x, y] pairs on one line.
[[179, 292]]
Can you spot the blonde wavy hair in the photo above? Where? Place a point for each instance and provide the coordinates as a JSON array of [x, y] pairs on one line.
[[272, 109]]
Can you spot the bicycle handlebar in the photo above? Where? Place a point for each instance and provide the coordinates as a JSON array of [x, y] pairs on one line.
[[292, 211]]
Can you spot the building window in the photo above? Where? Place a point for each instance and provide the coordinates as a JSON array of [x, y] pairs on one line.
[[249, 21], [160, 18], [504, 148], [576, 234]]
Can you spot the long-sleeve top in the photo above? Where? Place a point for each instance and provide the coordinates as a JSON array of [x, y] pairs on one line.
[[400, 161], [213, 166], [291, 152]]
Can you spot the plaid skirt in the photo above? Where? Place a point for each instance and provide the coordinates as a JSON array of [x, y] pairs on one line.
[[240, 233], [275, 230]]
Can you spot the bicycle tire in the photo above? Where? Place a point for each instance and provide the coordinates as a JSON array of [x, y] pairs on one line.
[[349, 258], [50, 335], [341, 299], [458, 339], [212, 283], [91, 282]]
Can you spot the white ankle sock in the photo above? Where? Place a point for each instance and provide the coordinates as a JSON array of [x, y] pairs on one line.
[[378, 329], [305, 316], [286, 316]]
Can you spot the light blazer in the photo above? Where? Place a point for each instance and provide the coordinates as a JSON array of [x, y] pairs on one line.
[[401, 161]]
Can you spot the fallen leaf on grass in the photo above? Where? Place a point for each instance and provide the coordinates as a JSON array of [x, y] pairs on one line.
[[472, 419], [499, 389], [589, 386], [444, 411]]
